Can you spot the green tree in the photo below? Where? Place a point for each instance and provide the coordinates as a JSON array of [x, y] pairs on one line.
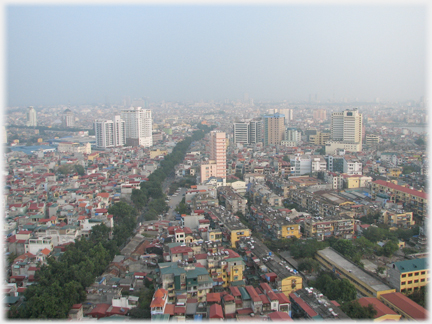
[[356, 311], [389, 248], [79, 169], [309, 265]]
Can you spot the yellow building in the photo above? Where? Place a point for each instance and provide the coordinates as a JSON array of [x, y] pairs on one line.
[[215, 235], [291, 284], [157, 152], [290, 230], [237, 233], [338, 226], [394, 172], [408, 276], [365, 283], [229, 271], [319, 138], [93, 156], [398, 220], [415, 199]]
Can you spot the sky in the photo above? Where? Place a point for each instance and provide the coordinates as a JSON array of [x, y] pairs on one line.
[[86, 54]]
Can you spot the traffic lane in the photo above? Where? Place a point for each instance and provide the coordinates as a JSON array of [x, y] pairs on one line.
[[174, 201]]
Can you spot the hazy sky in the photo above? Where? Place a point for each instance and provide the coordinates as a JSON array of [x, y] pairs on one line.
[[87, 54]]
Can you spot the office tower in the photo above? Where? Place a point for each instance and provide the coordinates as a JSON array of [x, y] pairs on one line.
[[292, 134], [68, 118], [347, 126], [255, 131], [138, 124], [319, 115], [31, 116], [110, 133], [346, 131], [273, 129], [216, 166], [241, 132], [249, 132]]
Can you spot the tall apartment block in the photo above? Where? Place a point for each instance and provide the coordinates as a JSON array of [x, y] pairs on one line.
[[248, 132], [31, 116], [217, 163], [68, 118], [138, 124], [273, 129], [319, 115], [346, 131], [110, 133], [288, 113]]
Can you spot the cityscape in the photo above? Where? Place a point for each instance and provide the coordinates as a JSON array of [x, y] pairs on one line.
[[309, 205]]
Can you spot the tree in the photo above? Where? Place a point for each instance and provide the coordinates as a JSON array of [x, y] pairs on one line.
[[309, 265], [79, 169], [356, 311], [420, 141], [389, 248], [334, 288]]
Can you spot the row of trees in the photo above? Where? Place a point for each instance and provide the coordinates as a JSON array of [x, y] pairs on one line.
[[62, 282], [150, 195]]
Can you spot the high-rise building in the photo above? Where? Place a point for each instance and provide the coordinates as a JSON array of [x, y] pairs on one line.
[[241, 132], [346, 131], [292, 134], [31, 117], [249, 132], [273, 129], [216, 167], [288, 113], [68, 118], [255, 131], [319, 115], [138, 123], [110, 133]]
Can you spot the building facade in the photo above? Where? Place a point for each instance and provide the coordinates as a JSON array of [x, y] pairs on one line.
[[273, 129], [31, 117], [138, 125]]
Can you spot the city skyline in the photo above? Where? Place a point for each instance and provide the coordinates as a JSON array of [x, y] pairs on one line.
[[87, 54]]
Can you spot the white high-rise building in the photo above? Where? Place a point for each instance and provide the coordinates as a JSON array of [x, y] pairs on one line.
[[110, 133], [346, 131], [249, 132], [138, 123], [31, 117], [241, 133], [68, 118]]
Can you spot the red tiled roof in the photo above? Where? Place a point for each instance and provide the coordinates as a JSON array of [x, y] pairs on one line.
[[280, 316], [400, 188], [169, 309], [407, 305], [213, 297], [303, 305], [216, 311], [381, 309]]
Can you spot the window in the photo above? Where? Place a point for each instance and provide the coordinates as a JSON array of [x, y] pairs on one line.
[[410, 274], [403, 283], [423, 272], [416, 281], [422, 280], [410, 282], [404, 275], [416, 274], [403, 290]]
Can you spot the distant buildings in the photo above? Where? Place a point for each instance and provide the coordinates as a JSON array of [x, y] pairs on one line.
[[68, 119], [31, 117]]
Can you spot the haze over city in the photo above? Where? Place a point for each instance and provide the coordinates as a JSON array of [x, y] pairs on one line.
[[89, 54]]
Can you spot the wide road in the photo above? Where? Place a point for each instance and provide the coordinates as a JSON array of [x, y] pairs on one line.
[[173, 203]]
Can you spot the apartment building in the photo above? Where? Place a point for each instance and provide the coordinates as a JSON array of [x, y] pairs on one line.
[[338, 226], [414, 199], [408, 276]]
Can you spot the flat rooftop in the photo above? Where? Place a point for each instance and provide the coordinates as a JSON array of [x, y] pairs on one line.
[[356, 271]]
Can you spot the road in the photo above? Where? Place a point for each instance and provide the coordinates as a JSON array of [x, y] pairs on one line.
[[173, 202]]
